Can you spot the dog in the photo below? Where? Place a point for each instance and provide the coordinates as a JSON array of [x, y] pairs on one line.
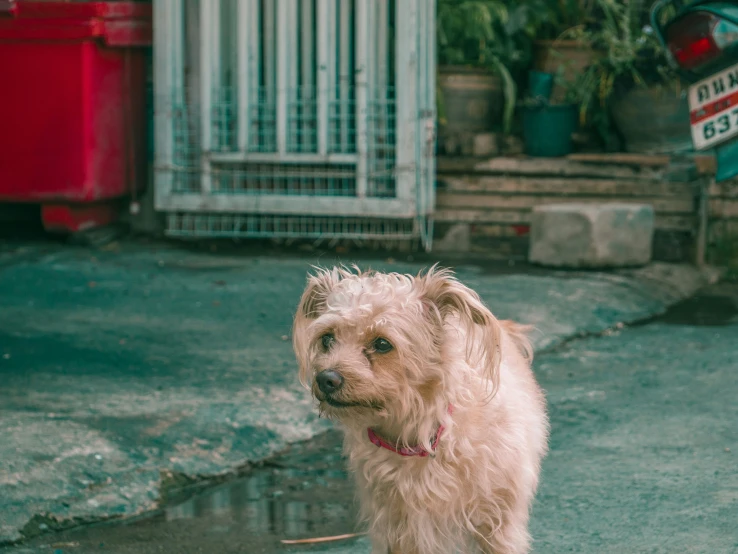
[[445, 426]]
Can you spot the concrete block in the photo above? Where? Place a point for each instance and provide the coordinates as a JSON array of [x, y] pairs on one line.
[[592, 235], [457, 143], [477, 145], [485, 144]]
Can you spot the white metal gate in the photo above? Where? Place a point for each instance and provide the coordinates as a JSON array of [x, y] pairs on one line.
[[296, 118]]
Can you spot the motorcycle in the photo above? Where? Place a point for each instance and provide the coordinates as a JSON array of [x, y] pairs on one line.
[[701, 38]]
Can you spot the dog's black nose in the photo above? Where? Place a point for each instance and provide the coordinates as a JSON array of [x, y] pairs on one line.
[[329, 381]]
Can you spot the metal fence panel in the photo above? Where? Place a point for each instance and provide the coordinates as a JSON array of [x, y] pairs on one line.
[[286, 118]]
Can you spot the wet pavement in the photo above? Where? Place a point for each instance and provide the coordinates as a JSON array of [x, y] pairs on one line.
[[715, 306], [643, 459], [304, 492]]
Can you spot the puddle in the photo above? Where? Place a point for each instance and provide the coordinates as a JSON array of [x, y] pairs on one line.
[[716, 307], [303, 493]]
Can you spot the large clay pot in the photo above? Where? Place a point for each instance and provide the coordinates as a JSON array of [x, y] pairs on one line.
[[472, 99], [653, 120], [572, 56]]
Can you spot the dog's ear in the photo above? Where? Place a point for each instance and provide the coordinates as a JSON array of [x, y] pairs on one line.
[[446, 296], [312, 305], [319, 286]]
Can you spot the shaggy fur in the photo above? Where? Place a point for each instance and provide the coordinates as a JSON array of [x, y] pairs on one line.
[[447, 349]]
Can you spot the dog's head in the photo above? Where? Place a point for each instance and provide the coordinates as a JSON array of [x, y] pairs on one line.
[[385, 343]]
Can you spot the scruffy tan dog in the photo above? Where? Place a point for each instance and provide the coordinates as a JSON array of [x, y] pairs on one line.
[[445, 425]]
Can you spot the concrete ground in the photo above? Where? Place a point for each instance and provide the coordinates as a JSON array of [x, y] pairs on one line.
[[644, 444], [138, 368]]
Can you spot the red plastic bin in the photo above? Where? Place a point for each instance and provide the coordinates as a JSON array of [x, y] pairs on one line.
[[72, 107]]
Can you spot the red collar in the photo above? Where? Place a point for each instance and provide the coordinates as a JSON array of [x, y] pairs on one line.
[[405, 450]]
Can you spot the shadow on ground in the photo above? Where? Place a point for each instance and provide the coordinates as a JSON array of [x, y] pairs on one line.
[[304, 492]]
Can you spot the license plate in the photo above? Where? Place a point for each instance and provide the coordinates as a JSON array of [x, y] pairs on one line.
[[713, 106]]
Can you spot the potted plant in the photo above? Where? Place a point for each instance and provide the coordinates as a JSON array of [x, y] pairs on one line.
[[481, 44], [630, 92], [548, 127], [560, 47]]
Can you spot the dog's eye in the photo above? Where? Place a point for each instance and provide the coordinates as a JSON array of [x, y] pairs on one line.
[[327, 340], [382, 346]]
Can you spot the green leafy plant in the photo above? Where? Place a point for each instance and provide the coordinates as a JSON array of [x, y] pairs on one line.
[[562, 16], [629, 55], [495, 35]]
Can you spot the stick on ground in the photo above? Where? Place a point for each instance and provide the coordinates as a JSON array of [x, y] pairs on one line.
[[322, 539]]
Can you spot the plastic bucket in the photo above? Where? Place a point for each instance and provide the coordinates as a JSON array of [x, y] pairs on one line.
[[547, 130], [540, 85]]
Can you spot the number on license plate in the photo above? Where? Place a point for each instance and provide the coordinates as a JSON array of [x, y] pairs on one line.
[[721, 125], [713, 105]]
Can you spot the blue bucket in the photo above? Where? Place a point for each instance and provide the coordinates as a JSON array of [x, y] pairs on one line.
[[548, 130]]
